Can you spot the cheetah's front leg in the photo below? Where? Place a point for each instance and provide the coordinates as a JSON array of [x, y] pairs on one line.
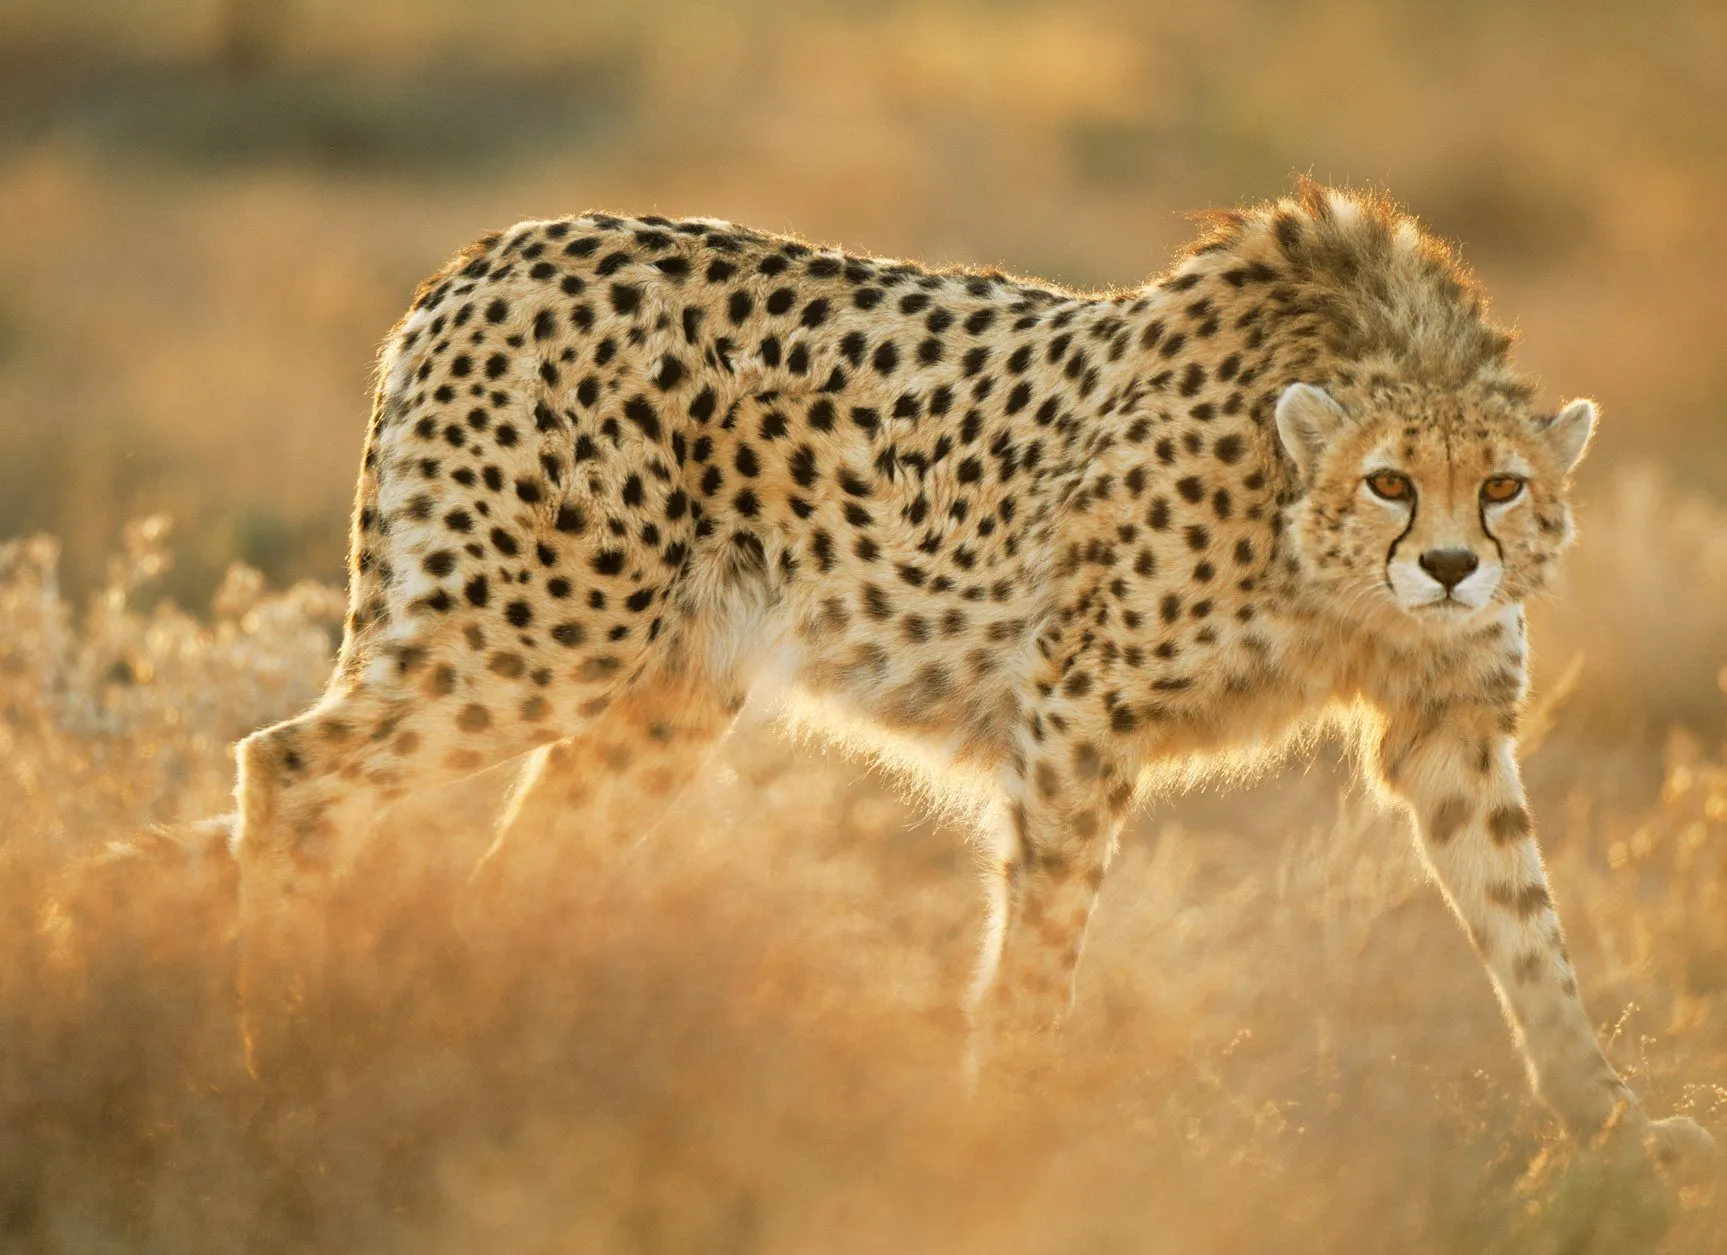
[[1460, 778]]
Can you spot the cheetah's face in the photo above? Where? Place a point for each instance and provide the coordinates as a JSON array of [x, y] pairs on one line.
[[1439, 506]]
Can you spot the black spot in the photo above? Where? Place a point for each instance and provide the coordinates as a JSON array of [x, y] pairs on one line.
[[823, 546], [803, 466], [1508, 824], [625, 297], [640, 412], [1448, 818], [671, 371]]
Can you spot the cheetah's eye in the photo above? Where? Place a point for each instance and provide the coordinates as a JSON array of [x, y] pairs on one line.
[[1390, 485], [1499, 489]]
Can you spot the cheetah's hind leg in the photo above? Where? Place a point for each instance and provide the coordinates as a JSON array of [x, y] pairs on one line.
[[591, 797], [310, 791]]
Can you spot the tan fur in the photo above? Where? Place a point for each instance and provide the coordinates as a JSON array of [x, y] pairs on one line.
[[620, 471]]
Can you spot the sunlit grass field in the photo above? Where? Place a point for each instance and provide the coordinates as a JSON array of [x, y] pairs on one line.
[[745, 1036]]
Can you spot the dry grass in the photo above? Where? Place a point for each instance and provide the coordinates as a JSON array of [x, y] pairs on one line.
[[745, 1038]]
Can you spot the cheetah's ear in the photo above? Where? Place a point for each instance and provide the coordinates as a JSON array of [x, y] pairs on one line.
[[1567, 432], [1307, 418]]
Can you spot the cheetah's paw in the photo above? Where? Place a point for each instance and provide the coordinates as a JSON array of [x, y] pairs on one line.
[[1682, 1145]]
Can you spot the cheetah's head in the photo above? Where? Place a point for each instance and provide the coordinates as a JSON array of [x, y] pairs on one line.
[[1441, 505]]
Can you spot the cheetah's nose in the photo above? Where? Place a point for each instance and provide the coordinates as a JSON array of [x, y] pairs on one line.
[[1449, 566]]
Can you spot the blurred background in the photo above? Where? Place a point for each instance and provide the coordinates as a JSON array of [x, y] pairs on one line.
[[211, 211]]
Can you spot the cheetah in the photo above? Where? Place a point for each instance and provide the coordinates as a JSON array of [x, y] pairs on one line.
[[621, 471]]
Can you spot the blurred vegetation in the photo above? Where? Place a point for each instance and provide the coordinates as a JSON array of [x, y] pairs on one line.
[[744, 1036], [745, 1040]]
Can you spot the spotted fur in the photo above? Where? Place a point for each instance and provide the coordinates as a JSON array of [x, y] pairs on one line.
[[619, 470]]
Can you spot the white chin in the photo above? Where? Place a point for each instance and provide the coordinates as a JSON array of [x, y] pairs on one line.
[[1441, 608]]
